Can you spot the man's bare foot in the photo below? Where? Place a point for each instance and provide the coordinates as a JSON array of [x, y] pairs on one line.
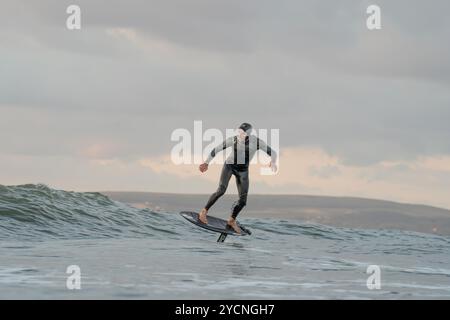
[[202, 216], [232, 223]]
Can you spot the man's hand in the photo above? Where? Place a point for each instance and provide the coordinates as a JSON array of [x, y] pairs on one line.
[[203, 167], [273, 166]]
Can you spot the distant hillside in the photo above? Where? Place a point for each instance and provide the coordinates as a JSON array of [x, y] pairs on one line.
[[336, 211]]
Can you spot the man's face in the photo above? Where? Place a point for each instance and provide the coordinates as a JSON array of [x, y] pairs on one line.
[[241, 134]]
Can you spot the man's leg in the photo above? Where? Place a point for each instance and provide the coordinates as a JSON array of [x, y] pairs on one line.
[[223, 184], [242, 183]]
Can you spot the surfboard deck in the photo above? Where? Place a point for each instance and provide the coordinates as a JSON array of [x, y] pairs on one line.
[[214, 224]]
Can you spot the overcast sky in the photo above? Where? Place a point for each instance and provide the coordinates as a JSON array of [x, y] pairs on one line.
[[361, 113]]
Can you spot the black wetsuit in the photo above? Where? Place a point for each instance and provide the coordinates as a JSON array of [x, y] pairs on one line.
[[237, 164]]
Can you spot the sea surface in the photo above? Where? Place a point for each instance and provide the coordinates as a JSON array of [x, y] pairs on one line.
[[124, 252]]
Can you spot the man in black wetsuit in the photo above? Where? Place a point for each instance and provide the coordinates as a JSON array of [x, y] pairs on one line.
[[244, 148]]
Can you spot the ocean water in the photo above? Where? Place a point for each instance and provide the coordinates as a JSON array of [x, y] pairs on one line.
[[129, 253]]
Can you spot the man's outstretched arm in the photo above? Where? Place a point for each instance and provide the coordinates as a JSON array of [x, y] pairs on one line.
[[225, 144]]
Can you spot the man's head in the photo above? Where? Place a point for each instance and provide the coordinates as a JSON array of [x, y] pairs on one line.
[[246, 127], [244, 131]]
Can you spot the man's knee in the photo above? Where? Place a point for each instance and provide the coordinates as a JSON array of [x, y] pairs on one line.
[[221, 190]]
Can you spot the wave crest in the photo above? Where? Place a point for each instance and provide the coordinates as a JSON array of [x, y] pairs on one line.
[[37, 211]]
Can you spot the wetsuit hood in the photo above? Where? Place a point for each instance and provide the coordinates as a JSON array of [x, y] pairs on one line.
[[247, 127]]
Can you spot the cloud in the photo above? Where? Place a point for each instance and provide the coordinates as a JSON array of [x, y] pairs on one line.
[[324, 171], [314, 171], [138, 70]]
